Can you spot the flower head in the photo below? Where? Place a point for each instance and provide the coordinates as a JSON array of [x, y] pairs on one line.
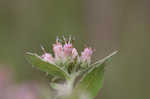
[[86, 55], [48, 57], [67, 49], [58, 50], [65, 54]]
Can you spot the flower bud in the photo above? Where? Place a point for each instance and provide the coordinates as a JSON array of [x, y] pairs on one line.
[[74, 53], [58, 50], [86, 55], [68, 49], [47, 57]]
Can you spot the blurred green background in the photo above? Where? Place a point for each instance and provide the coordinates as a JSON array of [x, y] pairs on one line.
[[106, 25]]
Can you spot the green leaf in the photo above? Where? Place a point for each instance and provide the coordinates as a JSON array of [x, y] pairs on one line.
[[92, 80], [47, 67]]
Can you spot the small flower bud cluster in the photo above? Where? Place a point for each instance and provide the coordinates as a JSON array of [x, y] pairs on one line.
[[47, 57], [86, 55], [66, 51]]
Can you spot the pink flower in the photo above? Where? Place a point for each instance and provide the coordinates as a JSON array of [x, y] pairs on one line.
[[74, 53], [68, 49], [64, 52], [47, 57], [86, 55], [58, 50]]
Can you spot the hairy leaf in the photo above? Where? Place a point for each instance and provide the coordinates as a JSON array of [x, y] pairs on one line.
[[47, 67], [92, 80]]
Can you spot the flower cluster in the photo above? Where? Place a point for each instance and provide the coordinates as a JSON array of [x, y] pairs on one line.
[[66, 52], [70, 72]]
